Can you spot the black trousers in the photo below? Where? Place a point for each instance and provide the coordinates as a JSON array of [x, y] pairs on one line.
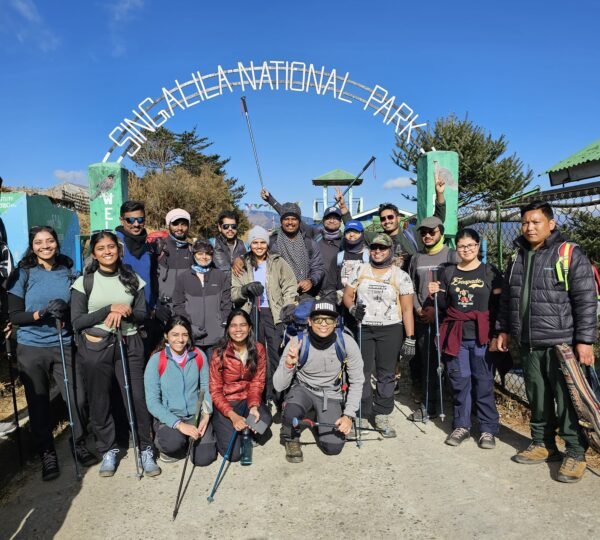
[[174, 443], [270, 335], [36, 366], [101, 364], [380, 351], [224, 428], [426, 359]]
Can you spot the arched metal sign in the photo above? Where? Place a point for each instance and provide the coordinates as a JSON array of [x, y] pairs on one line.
[[128, 136]]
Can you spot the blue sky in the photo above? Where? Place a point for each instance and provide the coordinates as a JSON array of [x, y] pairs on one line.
[[71, 71]]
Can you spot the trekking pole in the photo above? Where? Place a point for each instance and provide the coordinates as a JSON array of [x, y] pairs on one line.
[[357, 177], [130, 410], [245, 107], [425, 418], [439, 356], [211, 497], [9, 357], [306, 422], [68, 396], [358, 432], [189, 453]]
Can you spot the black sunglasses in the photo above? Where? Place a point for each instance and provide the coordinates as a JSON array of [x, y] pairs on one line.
[[132, 220], [100, 231], [229, 226]]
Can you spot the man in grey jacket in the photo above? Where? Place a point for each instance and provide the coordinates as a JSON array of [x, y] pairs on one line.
[[316, 384]]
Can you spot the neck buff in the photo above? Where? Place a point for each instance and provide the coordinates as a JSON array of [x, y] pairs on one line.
[[329, 235], [435, 248], [321, 343], [179, 243], [354, 246], [201, 269], [386, 263], [179, 358], [136, 244]]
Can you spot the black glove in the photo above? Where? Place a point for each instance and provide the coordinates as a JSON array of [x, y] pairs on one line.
[[199, 333], [287, 313], [253, 289], [163, 313], [358, 311], [56, 308], [408, 350]]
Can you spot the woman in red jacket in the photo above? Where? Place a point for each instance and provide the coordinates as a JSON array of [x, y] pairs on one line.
[[237, 381]]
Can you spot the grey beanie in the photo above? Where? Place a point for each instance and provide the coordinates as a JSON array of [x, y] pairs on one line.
[[290, 209], [258, 233]]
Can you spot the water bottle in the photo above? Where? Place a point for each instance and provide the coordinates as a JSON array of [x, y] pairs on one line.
[[246, 448]]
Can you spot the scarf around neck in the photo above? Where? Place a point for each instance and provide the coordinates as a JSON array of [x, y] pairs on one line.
[[386, 263], [355, 246], [294, 252], [436, 248], [328, 235], [321, 343], [201, 269], [179, 243], [136, 244]]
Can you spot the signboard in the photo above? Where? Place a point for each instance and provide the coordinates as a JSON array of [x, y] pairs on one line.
[[108, 191]]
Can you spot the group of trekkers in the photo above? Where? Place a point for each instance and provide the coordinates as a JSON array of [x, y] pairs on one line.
[[179, 342]]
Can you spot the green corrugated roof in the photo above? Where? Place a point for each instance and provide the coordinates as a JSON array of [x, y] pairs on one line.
[[589, 153], [336, 174]]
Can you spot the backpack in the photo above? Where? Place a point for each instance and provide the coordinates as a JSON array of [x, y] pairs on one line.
[[299, 328], [565, 253], [340, 257], [163, 360]]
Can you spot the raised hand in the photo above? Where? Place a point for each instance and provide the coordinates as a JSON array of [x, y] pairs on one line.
[[292, 355], [264, 194]]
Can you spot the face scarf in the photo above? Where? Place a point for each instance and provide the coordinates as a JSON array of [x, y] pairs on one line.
[[436, 248], [330, 235], [387, 262], [136, 244], [355, 246], [201, 269], [320, 343], [179, 243]]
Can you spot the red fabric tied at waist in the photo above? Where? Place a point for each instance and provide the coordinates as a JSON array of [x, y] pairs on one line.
[[451, 329]]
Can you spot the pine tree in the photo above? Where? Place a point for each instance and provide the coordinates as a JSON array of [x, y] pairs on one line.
[[483, 175]]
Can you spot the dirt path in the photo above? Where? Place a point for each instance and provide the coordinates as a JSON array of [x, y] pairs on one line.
[[413, 486]]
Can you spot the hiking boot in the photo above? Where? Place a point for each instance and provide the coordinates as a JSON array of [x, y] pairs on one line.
[[571, 469], [382, 423], [293, 451], [487, 441], [457, 436], [84, 456], [421, 415], [109, 463], [50, 469], [537, 453], [149, 463]]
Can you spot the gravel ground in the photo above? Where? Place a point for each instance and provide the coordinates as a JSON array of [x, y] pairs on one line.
[[413, 486]]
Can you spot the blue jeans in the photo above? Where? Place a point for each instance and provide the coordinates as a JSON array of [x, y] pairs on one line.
[[471, 376]]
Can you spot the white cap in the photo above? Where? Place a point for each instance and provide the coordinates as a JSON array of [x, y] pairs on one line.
[[175, 214]]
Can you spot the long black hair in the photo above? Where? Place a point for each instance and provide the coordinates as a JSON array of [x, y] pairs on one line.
[[30, 259], [127, 276], [252, 361]]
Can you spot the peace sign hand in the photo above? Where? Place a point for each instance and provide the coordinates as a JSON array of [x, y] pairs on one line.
[[292, 355]]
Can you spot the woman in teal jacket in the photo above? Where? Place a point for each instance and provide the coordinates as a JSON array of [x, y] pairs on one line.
[[175, 378]]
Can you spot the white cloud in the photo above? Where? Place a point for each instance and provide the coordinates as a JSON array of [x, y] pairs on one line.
[[75, 177], [121, 12], [29, 26], [400, 182]]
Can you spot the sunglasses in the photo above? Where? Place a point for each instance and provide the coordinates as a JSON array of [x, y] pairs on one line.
[[328, 321], [428, 232], [379, 248], [132, 220], [229, 226], [389, 217], [100, 231]]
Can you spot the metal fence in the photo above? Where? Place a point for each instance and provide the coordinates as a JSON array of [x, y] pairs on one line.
[[577, 213]]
